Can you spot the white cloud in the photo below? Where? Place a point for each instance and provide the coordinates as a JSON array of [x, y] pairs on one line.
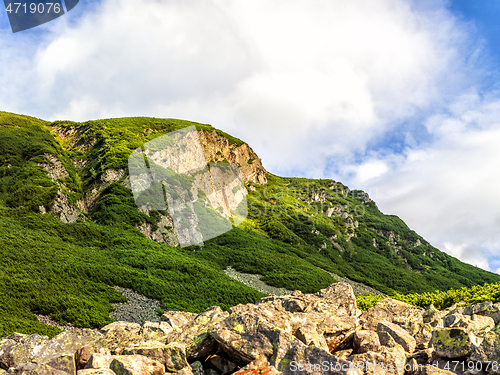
[[448, 190], [322, 77]]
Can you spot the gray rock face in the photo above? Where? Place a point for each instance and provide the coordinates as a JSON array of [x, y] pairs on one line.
[[300, 333]]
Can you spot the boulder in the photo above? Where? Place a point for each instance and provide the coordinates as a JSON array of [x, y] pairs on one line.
[[309, 335], [100, 371], [336, 329], [37, 369], [423, 336], [477, 324], [99, 361], [185, 371], [337, 299], [401, 336], [82, 357], [64, 362], [282, 345], [195, 333], [387, 340], [177, 319], [386, 361], [406, 316], [172, 355], [365, 341], [341, 300], [258, 366], [454, 342], [68, 342], [155, 330], [135, 365], [487, 309], [118, 338], [17, 349], [127, 326], [488, 350], [308, 360]]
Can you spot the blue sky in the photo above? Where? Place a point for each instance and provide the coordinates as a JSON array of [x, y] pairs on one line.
[[398, 98]]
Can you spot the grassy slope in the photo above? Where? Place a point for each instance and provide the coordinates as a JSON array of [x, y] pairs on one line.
[[66, 270]]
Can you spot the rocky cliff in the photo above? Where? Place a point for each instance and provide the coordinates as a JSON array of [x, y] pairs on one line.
[[322, 333]]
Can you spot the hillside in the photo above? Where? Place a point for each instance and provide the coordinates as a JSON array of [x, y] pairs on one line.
[[70, 229]]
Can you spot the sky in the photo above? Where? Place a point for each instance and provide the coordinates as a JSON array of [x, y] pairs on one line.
[[397, 98]]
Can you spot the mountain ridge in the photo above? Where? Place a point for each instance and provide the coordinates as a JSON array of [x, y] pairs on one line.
[[69, 200]]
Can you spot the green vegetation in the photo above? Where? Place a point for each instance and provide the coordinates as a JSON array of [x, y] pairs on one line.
[[298, 232], [440, 299]]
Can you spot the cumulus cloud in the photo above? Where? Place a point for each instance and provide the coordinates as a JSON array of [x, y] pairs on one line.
[[382, 94], [323, 77], [449, 189]]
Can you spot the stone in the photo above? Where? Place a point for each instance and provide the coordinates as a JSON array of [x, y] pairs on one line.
[[194, 334], [423, 336], [488, 350], [98, 361], [21, 349], [401, 336], [482, 308], [222, 363], [259, 366], [172, 355], [310, 360], [454, 342], [386, 361], [127, 326], [185, 371], [405, 315], [118, 338], [309, 335], [477, 324], [341, 298], [155, 330], [82, 357], [64, 362], [343, 354], [69, 342], [135, 365], [177, 319], [38, 369], [432, 314], [197, 368], [365, 341], [337, 329], [100, 371], [387, 340]]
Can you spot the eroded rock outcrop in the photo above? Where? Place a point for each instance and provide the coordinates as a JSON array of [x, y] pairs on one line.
[[321, 333]]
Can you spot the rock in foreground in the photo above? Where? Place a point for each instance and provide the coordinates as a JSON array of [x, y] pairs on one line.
[[322, 333]]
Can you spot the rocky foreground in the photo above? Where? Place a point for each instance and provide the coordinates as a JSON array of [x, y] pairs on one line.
[[322, 333]]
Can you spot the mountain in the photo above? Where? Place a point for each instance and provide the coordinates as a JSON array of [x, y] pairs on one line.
[[70, 230]]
